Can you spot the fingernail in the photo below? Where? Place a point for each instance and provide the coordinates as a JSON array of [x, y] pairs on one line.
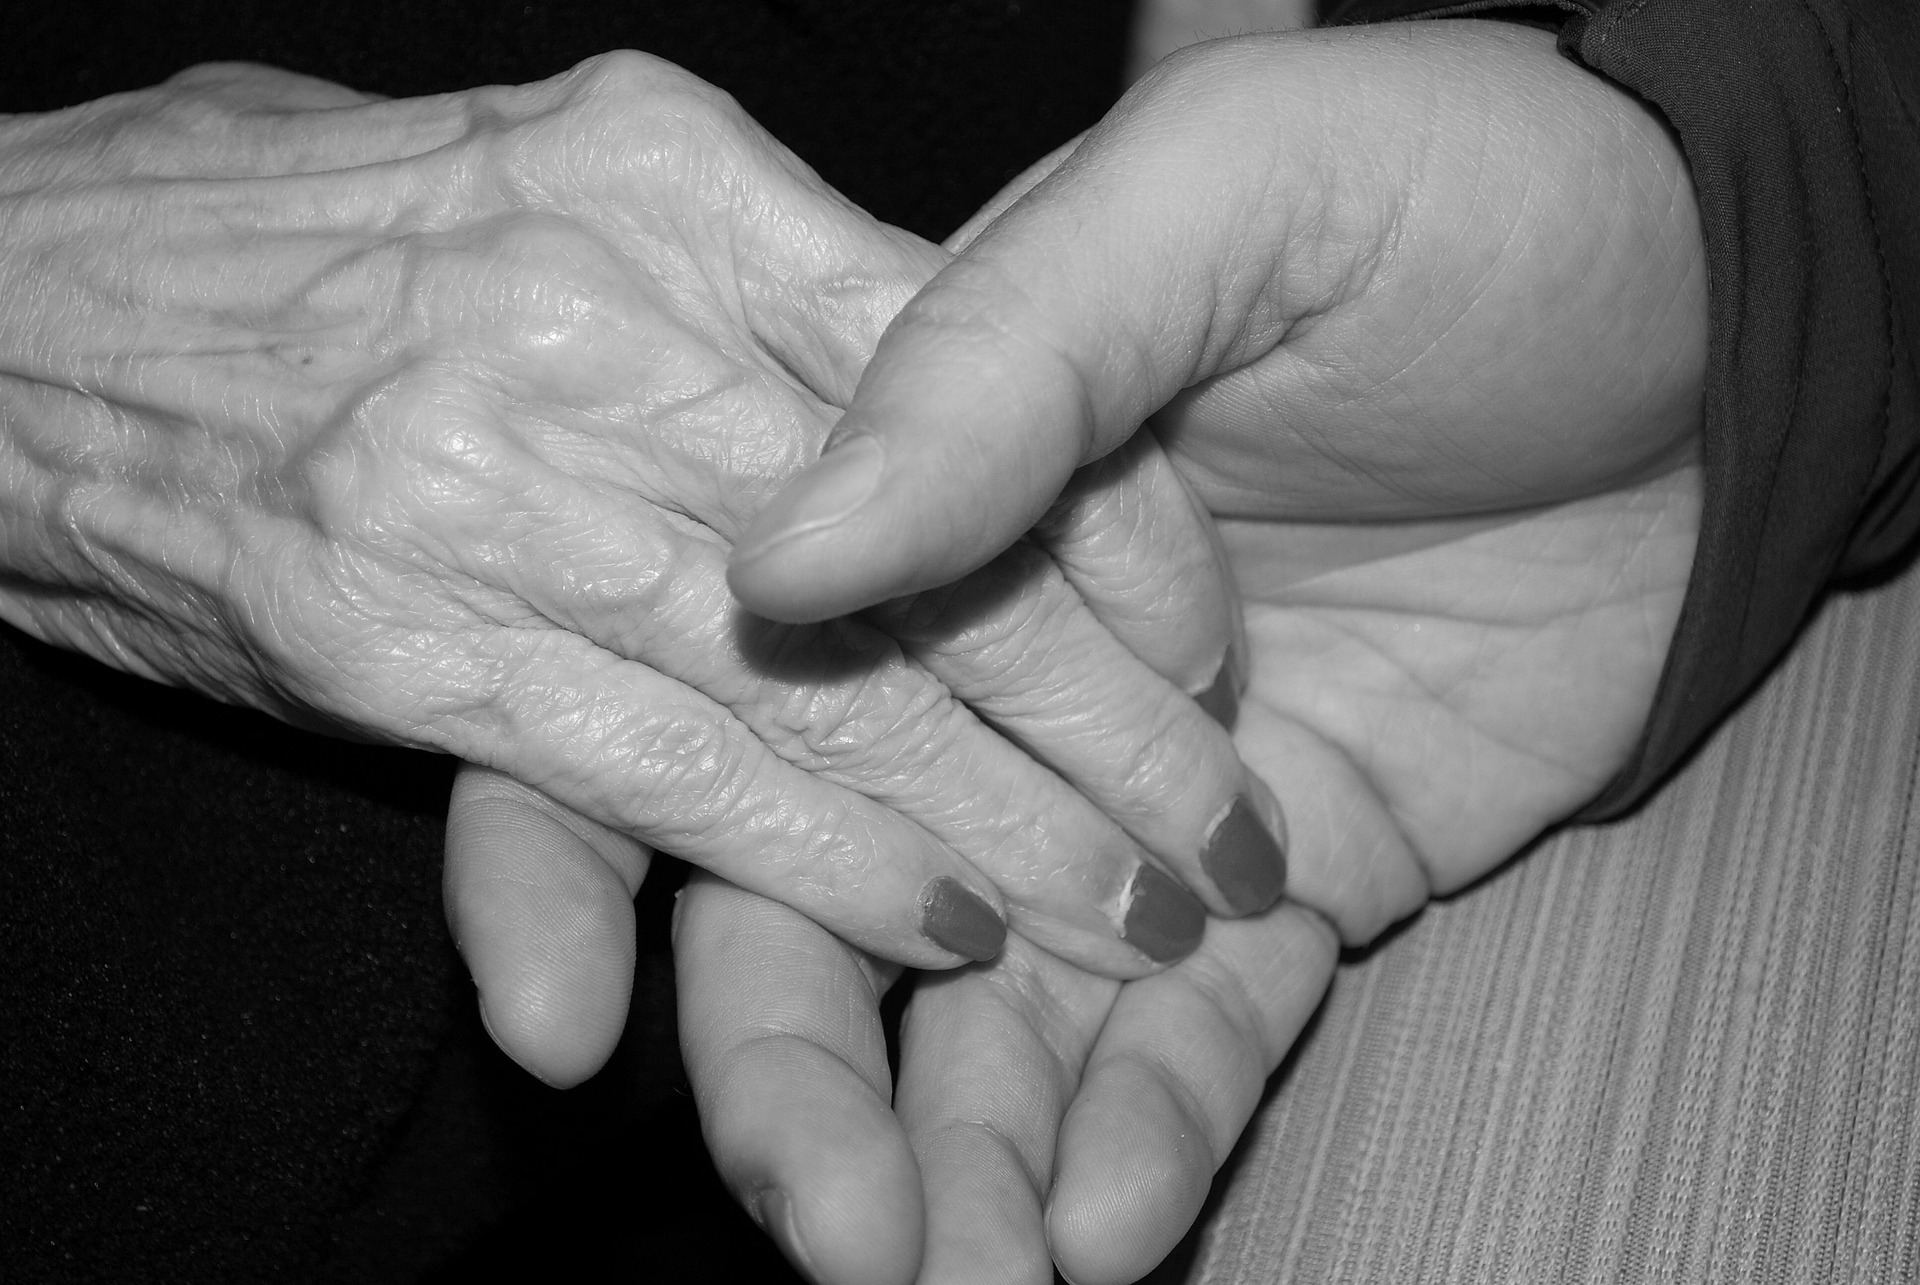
[[841, 482], [1163, 920], [1221, 700], [1245, 861], [954, 919], [774, 1212]]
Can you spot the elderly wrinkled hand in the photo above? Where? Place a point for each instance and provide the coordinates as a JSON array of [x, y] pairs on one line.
[[431, 421]]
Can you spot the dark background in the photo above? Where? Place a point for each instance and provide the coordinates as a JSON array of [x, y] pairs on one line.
[[917, 109], [235, 1042]]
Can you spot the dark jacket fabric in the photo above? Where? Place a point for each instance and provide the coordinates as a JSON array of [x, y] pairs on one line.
[[1800, 121]]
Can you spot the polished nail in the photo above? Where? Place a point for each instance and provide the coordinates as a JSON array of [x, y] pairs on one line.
[[774, 1212], [954, 919], [1246, 862], [1221, 700], [1163, 920], [829, 492]]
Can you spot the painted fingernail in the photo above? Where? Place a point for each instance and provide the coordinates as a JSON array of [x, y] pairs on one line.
[[774, 1212], [954, 919], [1221, 701], [1163, 920], [844, 479], [1244, 860]]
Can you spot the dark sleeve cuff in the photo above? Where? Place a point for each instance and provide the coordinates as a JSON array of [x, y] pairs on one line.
[[1798, 121]]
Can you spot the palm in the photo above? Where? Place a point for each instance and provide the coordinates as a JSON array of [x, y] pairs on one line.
[[1425, 697], [1447, 689]]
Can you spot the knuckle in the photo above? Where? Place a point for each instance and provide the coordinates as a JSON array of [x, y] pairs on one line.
[[528, 291], [409, 453], [548, 292], [1010, 611], [883, 715], [674, 771], [1162, 745], [196, 108], [422, 439], [646, 579], [209, 81], [685, 762], [695, 784], [1031, 997], [623, 76], [625, 88]]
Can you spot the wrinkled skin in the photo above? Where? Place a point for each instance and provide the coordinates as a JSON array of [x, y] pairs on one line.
[[1445, 399], [431, 421]]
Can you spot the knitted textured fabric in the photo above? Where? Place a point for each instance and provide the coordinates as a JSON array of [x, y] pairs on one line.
[[1685, 1047]]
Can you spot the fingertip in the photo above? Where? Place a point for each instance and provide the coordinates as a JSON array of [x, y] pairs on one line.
[[984, 1221], [1134, 1170], [848, 532], [1245, 851], [965, 427], [815, 576], [784, 564], [1163, 921], [533, 1057], [773, 1211], [851, 531], [560, 1029], [952, 916], [834, 1241], [819, 1162], [545, 925]]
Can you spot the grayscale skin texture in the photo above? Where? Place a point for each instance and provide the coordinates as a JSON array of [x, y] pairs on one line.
[[1419, 312], [432, 421]]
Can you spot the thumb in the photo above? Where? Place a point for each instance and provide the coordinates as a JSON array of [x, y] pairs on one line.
[[1125, 275], [540, 903]]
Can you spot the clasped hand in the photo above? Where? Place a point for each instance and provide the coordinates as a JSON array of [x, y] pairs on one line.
[[1420, 314], [438, 421], [432, 421]]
